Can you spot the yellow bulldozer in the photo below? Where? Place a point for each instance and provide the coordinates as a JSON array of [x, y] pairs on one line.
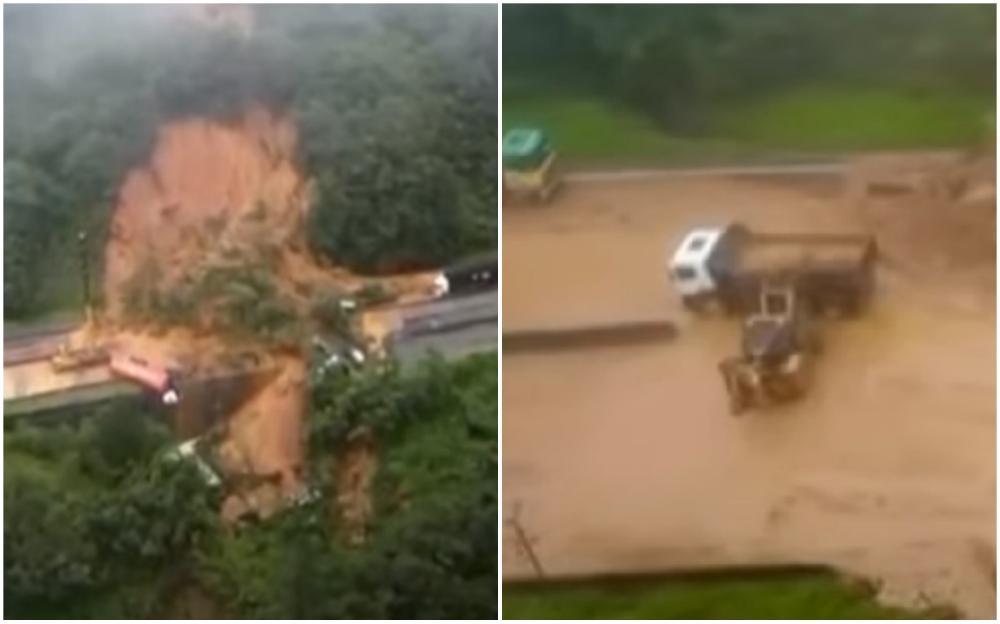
[[82, 349]]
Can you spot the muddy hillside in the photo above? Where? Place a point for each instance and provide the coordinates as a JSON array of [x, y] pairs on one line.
[[223, 196], [209, 190], [218, 197]]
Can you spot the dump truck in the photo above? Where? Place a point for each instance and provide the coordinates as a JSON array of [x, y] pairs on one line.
[[157, 379], [725, 267], [780, 341], [473, 274], [529, 165]]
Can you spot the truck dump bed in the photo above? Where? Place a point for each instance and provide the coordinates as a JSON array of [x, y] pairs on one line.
[[828, 270], [140, 372], [767, 253]]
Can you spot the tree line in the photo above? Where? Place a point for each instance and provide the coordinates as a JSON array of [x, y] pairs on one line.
[[99, 523], [677, 62]]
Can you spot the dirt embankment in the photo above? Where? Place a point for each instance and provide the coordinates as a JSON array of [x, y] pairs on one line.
[[934, 214]]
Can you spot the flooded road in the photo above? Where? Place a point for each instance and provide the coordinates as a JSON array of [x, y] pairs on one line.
[[625, 457]]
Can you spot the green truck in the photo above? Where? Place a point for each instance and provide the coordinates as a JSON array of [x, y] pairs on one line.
[[529, 165]]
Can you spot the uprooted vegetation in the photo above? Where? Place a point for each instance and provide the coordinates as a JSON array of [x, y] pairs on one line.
[[99, 524], [234, 302], [245, 301]]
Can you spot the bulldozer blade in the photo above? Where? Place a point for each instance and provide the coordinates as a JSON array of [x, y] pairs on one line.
[[733, 375]]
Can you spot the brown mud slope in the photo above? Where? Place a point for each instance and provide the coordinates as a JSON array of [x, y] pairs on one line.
[[264, 441], [209, 192], [216, 193], [354, 473], [626, 458], [219, 194], [212, 191]]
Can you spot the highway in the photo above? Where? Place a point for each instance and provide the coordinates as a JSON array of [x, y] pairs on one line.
[[453, 327], [625, 175], [36, 345]]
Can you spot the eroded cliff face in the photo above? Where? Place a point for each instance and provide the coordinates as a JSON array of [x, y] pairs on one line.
[[209, 188]]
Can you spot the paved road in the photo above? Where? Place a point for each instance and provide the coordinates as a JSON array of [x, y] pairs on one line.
[[832, 165], [36, 345], [453, 344], [454, 327], [808, 169]]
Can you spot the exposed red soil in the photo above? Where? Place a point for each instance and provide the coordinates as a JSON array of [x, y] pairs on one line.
[[221, 194], [354, 473]]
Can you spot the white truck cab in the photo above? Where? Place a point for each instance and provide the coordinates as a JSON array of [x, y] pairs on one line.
[[441, 286], [688, 267]]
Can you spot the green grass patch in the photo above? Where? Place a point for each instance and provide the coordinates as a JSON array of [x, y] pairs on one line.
[[589, 130], [798, 124], [802, 595], [826, 118]]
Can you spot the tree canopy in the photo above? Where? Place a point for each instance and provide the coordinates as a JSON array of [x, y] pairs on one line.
[[99, 524], [674, 62]]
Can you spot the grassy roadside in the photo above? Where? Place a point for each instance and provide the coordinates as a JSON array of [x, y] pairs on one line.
[[792, 125], [826, 118], [589, 130], [799, 596]]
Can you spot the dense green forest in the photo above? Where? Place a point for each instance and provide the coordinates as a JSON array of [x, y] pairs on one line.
[[97, 523], [396, 108], [733, 81]]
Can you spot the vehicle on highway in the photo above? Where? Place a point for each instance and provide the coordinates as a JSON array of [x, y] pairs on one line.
[[473, 274], [336, 355], [67, 358], [155, 378], [529, 165], [726, 267]]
